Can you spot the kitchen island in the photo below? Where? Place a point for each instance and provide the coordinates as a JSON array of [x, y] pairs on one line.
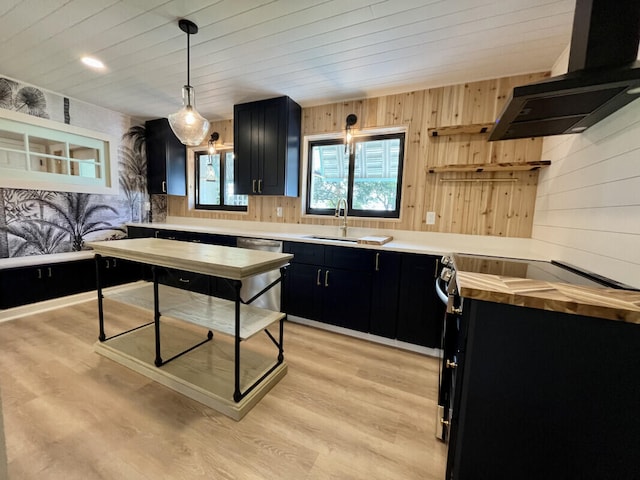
[[543, 376], [208, 371]]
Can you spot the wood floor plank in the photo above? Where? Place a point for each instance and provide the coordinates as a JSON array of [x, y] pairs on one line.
[[347, 409]]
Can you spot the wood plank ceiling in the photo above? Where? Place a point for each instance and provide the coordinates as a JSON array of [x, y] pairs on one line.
[[316, 51]]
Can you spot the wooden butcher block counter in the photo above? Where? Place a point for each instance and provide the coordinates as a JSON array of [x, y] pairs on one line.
[[227, 262], [606, 303]]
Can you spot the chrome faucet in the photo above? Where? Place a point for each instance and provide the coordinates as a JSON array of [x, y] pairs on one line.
[[343, 227]]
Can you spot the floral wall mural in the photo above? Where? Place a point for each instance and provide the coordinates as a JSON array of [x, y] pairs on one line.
[[35, 222]]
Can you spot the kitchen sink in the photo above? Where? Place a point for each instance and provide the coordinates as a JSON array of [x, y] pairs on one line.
[[333, 238]]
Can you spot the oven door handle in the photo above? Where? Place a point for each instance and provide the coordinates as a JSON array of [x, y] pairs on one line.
[[442, 295]]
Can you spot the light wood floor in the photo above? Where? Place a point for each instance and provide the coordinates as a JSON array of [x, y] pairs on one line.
[[347, 409]]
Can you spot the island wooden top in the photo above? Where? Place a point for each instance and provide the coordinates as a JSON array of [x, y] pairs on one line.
[[228, 262], [607, 303]]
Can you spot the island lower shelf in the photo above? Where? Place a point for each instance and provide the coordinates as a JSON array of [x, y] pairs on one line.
[[214, 313], [206, 374]]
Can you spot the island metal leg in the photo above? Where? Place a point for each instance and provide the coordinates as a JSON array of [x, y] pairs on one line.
[[156, 314], [237, 395], [101, 335]]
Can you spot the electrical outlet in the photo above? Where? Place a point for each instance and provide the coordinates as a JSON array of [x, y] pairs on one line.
[[431, 218], [147, 206], [278, 211]]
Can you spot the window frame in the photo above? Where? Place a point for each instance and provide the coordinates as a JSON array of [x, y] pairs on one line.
[[196, 170], [31, 126], [361, 138]]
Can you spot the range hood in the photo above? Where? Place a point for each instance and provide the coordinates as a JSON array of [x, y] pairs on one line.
[[603, 76]]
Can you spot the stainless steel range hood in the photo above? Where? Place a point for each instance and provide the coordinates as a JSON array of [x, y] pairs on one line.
[[603, 76]]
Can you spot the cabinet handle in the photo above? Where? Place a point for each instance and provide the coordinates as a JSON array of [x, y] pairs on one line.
[[253, 186], [106, 264], [49, 271], [318, 277], [260, 186], [435, 273], [40, 273], [378, 262], [326, 278], [114, 263], [164, 186], [184, 280]]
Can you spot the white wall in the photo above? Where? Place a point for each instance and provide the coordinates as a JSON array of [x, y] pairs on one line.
[[588, 202]]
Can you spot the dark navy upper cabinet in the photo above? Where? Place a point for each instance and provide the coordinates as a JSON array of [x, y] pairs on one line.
[[166, 159], [267, 147]]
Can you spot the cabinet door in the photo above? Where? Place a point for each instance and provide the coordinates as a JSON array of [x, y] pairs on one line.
[[71, 277], [346, 298], [267, 147], [246, 122], [271, 162], [420, 313], [303, 291], [166, 159], [385, 286], [21, 286], [116, 271]]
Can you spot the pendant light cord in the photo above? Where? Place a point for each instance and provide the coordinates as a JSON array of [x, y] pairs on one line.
[[188, 62]]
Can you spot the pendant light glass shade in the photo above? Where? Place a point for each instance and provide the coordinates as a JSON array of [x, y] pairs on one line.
[[188, 125]]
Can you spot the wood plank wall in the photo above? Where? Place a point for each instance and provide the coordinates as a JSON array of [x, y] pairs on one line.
[[482, 208]]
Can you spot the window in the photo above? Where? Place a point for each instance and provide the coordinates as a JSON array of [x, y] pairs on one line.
[[369, 179], [214, 183], [40, 154]]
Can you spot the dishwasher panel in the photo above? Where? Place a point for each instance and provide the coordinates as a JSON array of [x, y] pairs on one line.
[[253, 285]]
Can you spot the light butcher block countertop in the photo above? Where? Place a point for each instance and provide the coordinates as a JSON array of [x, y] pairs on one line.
[[227, 262], [606, 303]]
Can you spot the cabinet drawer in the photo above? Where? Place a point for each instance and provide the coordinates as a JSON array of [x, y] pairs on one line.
[[194, 282], [349, 258], [309, 253]]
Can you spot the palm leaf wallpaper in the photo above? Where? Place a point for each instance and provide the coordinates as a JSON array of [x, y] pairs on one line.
[[36, 222]]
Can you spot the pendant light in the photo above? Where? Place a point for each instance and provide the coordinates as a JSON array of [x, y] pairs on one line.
[[348, 137], [189, 126]]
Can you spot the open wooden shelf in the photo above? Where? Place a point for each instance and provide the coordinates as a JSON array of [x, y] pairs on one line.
[[490, 167], [460, 129], [210, 312]]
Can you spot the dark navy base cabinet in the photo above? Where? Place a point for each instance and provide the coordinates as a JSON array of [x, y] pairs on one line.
[[545, 395]]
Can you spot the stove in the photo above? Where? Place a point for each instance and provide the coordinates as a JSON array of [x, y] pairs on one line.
[[553, 271], [452, 339]]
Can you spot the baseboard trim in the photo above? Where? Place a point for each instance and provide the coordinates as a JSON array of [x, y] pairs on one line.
[[39, 307], [390, 342]]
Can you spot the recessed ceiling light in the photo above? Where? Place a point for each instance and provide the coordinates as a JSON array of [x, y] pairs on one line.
[[93, 62]]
